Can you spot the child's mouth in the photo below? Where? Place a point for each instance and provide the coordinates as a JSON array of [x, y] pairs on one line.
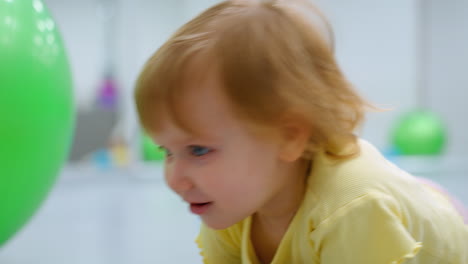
[[200, 208]]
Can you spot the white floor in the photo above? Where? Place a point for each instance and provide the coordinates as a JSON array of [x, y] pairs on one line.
[[98, 217], [130, 217]]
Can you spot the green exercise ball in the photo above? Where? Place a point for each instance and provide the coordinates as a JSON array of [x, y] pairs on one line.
[[36, 110], [151, 151], [419, 132]]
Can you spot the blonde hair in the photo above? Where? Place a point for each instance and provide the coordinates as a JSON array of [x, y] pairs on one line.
[[273, 57]]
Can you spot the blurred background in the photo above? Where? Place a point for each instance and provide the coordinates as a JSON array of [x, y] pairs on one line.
[[110, 204]]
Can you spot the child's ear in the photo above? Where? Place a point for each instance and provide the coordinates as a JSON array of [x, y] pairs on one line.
[[295, 134]]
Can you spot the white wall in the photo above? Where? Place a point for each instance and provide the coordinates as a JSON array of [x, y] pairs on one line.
[[193, 8], [145, 25], [448, 68], [82, 32], [376, 44]]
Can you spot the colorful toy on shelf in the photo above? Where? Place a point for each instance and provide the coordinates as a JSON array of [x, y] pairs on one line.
[[107, 97], [116, 156]]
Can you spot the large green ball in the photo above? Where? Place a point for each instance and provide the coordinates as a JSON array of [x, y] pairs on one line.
[[419, 132], [36, 110]]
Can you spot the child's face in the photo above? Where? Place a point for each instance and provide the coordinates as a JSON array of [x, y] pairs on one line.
[[227, 173]]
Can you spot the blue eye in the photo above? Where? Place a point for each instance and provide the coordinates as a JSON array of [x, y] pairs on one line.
[[199, 150]]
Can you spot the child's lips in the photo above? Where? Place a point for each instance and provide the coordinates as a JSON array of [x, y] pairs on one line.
[[200, 208]]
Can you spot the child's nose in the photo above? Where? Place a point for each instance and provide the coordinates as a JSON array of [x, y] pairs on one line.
[[177, 178]]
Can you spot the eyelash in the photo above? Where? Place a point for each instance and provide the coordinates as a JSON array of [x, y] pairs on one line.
[[191, 150]]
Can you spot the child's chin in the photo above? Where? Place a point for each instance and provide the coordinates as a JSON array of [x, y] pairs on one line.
[[217, 224]]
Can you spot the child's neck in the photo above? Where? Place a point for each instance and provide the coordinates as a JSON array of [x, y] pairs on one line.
[[271, 222], [284, 204]]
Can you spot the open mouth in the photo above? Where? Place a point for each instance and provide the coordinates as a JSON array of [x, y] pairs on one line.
[[200, 208]]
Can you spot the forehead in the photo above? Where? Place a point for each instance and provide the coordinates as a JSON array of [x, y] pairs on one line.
[[201, 106]]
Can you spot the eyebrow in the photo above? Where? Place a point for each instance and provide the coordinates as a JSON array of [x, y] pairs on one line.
[[181, 141]]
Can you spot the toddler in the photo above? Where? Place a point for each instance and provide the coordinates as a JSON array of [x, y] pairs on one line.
[[258, 123]]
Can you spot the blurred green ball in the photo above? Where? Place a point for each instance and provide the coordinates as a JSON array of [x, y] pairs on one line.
[[150, 151], [419, 132], [36, 110]]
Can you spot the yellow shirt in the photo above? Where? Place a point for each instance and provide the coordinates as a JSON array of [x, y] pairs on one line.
[[361, 211]]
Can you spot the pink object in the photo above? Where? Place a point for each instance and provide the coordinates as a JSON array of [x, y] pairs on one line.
[[456, 203], [108, 93]]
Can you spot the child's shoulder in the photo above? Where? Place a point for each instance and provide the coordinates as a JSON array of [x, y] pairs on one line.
[[368, 195], [365, 178]]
